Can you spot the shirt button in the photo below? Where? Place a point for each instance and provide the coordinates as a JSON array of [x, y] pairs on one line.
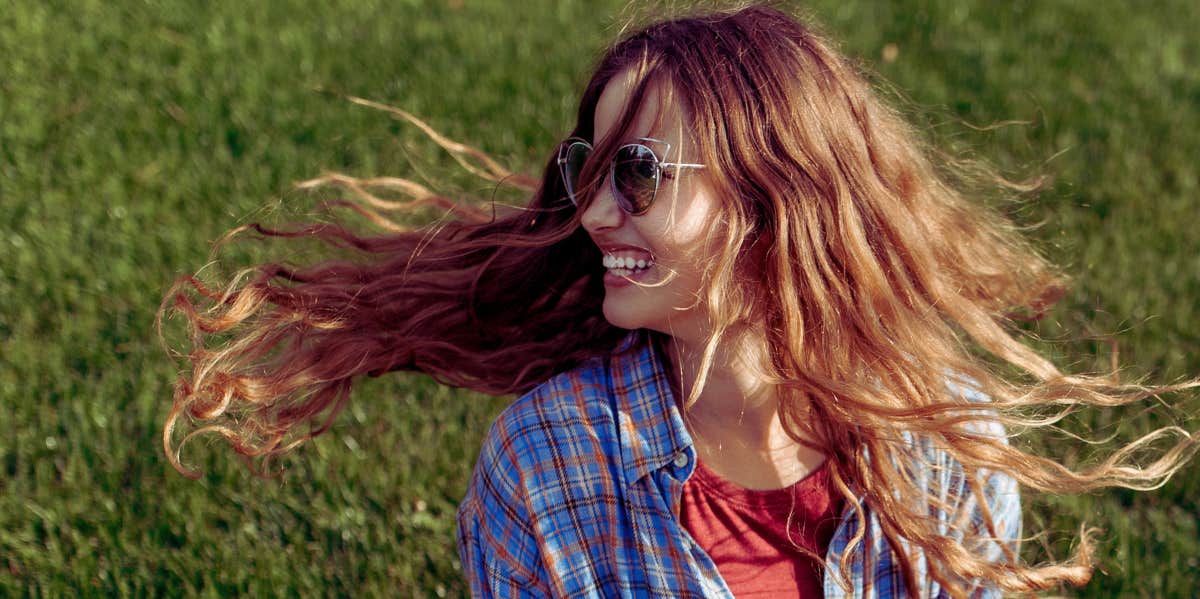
[[681, 460]]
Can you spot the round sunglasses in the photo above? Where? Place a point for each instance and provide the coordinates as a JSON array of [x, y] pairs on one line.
[[633, 175]]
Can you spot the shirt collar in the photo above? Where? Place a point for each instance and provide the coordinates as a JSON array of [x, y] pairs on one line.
[[652, 431]]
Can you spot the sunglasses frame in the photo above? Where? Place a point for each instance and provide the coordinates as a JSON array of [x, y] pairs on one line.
[[626, 205]]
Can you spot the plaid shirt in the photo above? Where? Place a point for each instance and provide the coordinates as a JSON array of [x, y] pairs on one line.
[[577, 490]]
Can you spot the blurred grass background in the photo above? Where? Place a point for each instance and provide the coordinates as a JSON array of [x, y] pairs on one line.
[[133, 135]]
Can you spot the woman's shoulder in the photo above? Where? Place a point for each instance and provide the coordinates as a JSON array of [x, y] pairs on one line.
[[967, 390], [570, 400], [978, 491], [565, 418], [582, 401]]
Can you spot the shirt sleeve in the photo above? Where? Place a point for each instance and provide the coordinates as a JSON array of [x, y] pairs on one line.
[[496, 543], [1001, 499], [1004, 505]]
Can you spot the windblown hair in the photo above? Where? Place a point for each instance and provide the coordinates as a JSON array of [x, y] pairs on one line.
[[876, 281]]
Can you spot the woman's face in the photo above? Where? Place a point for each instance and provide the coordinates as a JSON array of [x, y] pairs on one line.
[[672, 237]]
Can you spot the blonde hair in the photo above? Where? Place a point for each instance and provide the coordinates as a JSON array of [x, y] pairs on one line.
[[877, 282]]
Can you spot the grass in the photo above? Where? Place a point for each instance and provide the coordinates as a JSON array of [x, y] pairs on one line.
[[132, 135]]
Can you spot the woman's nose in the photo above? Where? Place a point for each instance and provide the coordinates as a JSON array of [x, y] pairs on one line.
[[602, 212]]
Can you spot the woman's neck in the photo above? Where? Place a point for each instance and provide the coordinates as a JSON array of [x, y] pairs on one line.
[[735, 420], [735, 392]]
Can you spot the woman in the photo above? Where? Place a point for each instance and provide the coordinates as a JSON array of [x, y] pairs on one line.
[[746, 312]]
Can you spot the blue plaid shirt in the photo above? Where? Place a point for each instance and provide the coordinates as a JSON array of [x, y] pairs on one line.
[[577, 489]]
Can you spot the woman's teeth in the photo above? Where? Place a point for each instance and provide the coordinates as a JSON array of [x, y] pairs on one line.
[[626, 266]]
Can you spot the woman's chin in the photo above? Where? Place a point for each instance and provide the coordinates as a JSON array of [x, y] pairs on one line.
[[620, 316]]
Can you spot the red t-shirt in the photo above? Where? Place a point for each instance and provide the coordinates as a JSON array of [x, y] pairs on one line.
[[752, 536]]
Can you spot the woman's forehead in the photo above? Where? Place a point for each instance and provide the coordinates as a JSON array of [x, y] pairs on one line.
[[655, 116]]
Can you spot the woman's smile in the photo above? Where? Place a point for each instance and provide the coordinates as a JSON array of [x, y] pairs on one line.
[[626, 265]]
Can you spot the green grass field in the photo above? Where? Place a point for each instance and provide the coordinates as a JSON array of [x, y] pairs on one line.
[[132, 135]]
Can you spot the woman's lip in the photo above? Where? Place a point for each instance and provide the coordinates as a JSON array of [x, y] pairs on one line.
[[615, 280]]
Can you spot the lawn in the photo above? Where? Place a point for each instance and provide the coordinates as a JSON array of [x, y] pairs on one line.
[[133, 135]]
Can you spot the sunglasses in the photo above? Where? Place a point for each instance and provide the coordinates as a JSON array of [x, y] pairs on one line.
[[633, 175]]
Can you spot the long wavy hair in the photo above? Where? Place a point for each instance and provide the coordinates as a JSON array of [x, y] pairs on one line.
[[877, 280]]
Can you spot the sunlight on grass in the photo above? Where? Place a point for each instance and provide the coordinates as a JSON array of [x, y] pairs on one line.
[[134, 135]]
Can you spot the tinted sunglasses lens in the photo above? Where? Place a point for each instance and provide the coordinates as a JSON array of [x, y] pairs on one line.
[[574, 157], [635, 178]]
